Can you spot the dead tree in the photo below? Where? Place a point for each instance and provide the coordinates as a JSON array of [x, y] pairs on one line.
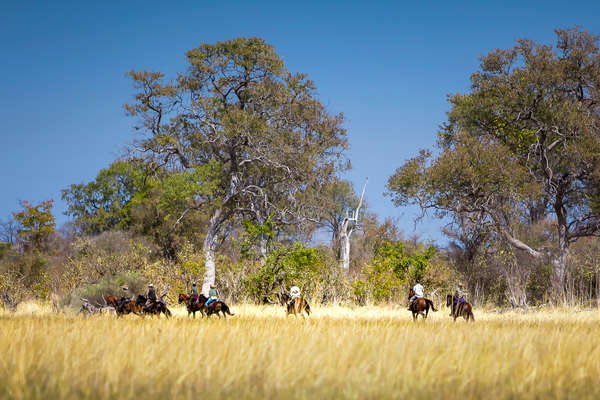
[[348, 226]]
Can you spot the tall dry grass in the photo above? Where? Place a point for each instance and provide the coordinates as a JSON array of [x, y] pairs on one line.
[[337, 353]]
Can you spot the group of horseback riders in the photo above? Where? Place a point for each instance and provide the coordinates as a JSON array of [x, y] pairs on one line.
[[148, 302], [213, 295], [457, 301]]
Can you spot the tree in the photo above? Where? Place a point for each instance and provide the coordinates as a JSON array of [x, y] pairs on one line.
[[8, 231], [37, 223], [106, 203], [346, 228], [252, 130], [522, 145], [334, 200]]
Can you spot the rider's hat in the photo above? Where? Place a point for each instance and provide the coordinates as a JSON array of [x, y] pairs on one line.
[[213, 286], [193, 283], [150, 285], [125, 287], [459, 283]]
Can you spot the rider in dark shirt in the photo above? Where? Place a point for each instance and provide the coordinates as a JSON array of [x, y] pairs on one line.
[[151, 295]]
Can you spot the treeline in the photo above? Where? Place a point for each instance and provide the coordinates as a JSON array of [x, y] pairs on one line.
[[234, 180]]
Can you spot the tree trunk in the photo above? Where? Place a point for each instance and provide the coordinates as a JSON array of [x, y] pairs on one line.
[[262, 244], [209, 247], [559, 272], [345, 251], [597, 282]]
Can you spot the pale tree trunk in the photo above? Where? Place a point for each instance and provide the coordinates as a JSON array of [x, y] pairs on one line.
[[559, 262], [262, 244], [345, 250], [559, 270], [346, 232], [516, 280], [209, 248]]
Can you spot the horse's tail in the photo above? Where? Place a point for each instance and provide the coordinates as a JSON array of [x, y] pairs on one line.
[[307, 308], [431, 304]]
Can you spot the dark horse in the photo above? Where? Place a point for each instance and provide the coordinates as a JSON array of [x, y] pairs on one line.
[[295, 307], [214, 307], [420, 306], [124, 306], [154, 308], [461, 309], [196, 306]]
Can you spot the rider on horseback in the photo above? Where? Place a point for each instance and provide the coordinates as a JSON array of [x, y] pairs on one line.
[[212, 295], [194, 296], [294, 294], [125, 296], [459, 296], [419, 292], [151, 296]]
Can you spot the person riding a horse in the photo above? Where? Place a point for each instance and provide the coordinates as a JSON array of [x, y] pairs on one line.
[[194, 294], [294, 294], [459, 296], [419, 291], [151, 296], [213, 294]]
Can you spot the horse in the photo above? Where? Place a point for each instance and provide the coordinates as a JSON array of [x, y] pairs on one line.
[[155, 307], [123, 306], [295, 307], [192, 308], [214, 307], [463, 309], [420, 306]]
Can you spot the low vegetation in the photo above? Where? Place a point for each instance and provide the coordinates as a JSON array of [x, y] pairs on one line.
[[339, 352]]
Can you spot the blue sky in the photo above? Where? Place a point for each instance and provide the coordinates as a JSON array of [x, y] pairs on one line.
[[388, 66]]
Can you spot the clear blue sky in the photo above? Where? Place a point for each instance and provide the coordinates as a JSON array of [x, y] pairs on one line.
[[387, 66]]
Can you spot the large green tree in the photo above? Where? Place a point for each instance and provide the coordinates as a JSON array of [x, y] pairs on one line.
[[106, 202], [522, 145], [251, 130]]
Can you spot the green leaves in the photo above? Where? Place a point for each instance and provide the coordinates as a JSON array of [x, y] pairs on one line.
[[37, 223]]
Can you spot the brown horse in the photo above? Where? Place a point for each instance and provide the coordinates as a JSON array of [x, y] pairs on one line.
[[420, 306], [215, 307], [295, 307], [124, 306], [192, 308], [461, 309]]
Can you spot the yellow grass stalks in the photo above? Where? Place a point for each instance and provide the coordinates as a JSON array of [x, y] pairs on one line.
[[370, 352]]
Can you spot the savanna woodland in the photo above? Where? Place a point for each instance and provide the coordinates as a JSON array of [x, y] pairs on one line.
[[234, 178]]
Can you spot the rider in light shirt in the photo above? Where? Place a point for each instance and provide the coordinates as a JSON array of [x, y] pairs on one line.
[[419, 291], [294, 293]]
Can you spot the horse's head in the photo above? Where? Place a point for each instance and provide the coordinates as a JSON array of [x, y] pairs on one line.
[[449, 299], [183, 298], [202, 298], [140, 299]]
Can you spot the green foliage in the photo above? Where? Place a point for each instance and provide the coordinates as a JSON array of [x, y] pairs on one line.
[[110, 285], [254, 234], [37, 223], [394, 268], [106, 202], [286, 266]]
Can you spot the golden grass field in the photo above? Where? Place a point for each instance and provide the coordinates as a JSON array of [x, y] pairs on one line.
[[361, 353]]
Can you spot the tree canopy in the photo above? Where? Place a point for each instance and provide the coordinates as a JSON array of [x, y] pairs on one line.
[[258, 132], [522, 145]]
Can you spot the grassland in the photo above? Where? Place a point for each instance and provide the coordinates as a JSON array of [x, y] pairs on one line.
[[339, 352]]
